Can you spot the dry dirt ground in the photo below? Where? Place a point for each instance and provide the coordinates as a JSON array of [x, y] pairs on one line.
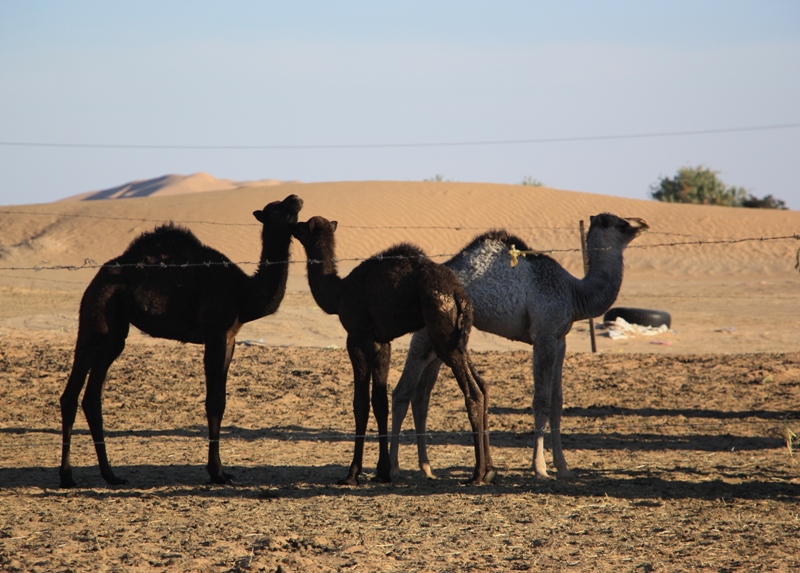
[[681, 460]]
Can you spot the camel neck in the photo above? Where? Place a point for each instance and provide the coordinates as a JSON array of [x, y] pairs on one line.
[[323, 276], [597, 291], [268, 284]]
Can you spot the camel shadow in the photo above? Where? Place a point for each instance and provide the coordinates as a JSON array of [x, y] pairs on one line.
[[608, 411], [633, 439], [269, 483]]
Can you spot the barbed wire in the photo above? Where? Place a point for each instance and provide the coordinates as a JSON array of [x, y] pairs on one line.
[[365, 227], [90, 264]]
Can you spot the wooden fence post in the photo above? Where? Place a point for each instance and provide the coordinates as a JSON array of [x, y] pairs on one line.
[[585, 271]]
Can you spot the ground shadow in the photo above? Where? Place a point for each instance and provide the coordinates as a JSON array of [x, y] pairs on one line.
[[585, 439], [302, 482]]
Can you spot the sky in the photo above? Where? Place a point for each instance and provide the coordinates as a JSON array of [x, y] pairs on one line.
[[604, 97]]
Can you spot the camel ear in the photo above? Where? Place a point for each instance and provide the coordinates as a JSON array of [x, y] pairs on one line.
[[334, 224], [259, 215]]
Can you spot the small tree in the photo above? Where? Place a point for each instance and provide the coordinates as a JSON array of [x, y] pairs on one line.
[[697, 185], [702, 186], [531, 181]]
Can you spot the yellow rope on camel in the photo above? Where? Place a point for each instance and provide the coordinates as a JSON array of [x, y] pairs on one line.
[[515, 253]]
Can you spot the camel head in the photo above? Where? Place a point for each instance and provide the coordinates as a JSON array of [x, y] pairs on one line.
[[280, 215], [617, 231], [314, 231]]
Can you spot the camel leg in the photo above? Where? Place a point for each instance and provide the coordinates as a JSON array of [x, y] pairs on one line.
[[474, 400], [420, 355], [216, 360], [85, 355], [555, 415], [380, 408], [491, 473], [545, 354], [419, 409], [361, 354], [93, 402]]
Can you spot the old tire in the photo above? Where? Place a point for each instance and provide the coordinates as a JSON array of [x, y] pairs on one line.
[[640, 316]]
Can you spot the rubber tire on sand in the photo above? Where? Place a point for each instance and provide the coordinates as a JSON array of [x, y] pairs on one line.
[[641, 316]]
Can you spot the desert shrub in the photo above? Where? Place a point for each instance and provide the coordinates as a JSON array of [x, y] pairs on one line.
[[703, 186], [699, 185], [531, 181]]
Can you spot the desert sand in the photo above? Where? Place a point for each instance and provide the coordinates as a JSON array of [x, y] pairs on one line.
[[726, 289], [678, 439]]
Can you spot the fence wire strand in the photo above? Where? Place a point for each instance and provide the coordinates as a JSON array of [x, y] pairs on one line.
[[91, 264]]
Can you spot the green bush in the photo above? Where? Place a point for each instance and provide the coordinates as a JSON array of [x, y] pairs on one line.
[[531, 182], [702, 186]]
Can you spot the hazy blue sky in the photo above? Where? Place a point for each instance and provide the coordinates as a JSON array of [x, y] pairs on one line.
[[371, 73]]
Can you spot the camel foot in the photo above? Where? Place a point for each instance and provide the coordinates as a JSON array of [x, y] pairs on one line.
[[489, 476], [383, 475], [66, 481], [352, 476], [565, 474], [539, 476], [65, 478], [473, 481], [224, 479], [111, 479], [426, 469]]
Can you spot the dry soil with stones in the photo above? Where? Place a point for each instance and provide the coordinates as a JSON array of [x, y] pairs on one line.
[[682, 464]]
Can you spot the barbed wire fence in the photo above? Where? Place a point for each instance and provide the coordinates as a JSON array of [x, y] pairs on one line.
[[89, 263], [780, 426]]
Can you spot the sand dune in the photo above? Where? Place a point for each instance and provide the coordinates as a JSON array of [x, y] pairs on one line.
[[677, 265], [441, 217], [170, 185]]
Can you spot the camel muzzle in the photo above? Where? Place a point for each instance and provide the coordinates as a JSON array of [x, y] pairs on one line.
[[639, 224]]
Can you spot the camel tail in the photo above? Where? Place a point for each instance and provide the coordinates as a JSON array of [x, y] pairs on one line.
[[463, 321]]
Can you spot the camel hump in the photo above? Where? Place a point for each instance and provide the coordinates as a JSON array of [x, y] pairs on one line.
[[496, 236], [402, 251], [169, 243]]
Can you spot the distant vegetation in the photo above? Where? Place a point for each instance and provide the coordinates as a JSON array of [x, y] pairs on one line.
[[702, 186], [532, 182], [438, 178]]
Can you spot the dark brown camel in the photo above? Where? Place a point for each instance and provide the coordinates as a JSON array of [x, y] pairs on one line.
[[169, 285], [394, 293]]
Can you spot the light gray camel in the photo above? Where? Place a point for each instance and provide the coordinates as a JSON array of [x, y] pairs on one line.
[[393, 293], [535, 302], [169, 285]]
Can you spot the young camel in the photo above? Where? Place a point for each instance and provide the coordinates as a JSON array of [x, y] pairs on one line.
[[535, 302], [169, 285], [394, 293]]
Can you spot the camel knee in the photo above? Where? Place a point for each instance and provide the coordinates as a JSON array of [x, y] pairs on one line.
[[69, 407], [404, 391]]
